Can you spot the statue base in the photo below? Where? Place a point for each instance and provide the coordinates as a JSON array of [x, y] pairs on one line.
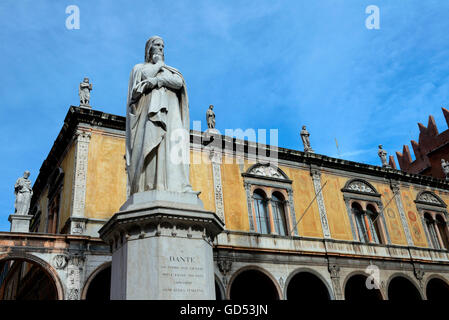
[[86, 106], [20, 222], [162, 247]]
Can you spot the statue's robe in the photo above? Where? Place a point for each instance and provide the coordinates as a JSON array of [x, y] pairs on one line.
[[84, 92], [23, 192], [157, 131]]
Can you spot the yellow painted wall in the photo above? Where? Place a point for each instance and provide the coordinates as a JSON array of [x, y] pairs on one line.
[[303, 194], [202, 180], [43, 205], [106, 176], [408, 195], [391, 214], [68, 166], [234, 196], [337, 214]]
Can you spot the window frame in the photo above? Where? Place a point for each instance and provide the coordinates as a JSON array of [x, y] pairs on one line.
[[365, 196], [259, 177], [427, 202]]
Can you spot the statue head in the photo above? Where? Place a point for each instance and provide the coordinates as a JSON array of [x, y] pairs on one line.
[[86, 80], [154, 46], [26, 174], [303, 127], [211, 107], [380, 146]]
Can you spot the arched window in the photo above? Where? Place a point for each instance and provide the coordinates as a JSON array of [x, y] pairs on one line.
[[374, 223], [280, 223], [430, 225], [365, 211], [442, 229], [261, 211], [360, 222]]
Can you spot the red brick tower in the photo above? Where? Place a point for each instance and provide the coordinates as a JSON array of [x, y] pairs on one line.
[[431, 148]]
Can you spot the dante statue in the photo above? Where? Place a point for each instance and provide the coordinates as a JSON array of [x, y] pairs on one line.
[[157, 125], [84, 92], [23, 192], [210, 117], [305, 139]]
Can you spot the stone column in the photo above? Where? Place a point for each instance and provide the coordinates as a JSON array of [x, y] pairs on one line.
[[161, 245], [397, 197], [249, 200], [75, 277], [334, 271], [77, 219], [291, 210], [316, 177]]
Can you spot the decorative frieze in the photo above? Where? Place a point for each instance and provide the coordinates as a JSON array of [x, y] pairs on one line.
[[291, 206], [250, 205], [75, 277], [397, 197], [316, 178], [80, 173], [215, 157]]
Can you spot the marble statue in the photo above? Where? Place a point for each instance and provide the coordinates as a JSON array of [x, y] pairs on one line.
[[157, 125], [383, 157], [84, 92], [305, 139], [445, 167], [23, 192], [210, 117]]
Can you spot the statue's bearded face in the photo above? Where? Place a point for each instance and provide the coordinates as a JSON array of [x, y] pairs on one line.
[[157, 49]]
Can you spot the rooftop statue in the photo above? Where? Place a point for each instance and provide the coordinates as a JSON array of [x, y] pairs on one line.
[[84, 92], [383, 157], [305, 139], [445, 167], [210, 117], [23, 192]]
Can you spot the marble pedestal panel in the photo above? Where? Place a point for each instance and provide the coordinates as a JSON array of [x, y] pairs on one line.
[[20, 222], [162, 247]]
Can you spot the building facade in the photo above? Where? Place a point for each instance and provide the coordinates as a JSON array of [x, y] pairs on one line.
[[298, 225]]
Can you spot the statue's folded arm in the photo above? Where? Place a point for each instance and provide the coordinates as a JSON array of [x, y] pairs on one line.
[[170, 80]]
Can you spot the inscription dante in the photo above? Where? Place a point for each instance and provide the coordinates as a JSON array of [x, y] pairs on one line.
[[182, 274]]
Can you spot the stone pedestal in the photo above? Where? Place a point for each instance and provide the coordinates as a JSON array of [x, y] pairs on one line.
[[162, 247], [20, 222]]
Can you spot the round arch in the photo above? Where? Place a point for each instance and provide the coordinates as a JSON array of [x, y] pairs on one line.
[[219, 288], [359, 274], [439, 283], [409, 280], [92, 277], [48, 269], [258, 269], [313, 272]]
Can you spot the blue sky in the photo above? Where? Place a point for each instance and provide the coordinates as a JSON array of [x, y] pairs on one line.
[[263, 64]]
